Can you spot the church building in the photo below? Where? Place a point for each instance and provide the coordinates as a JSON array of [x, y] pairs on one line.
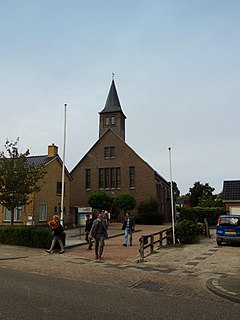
[[112, 165]]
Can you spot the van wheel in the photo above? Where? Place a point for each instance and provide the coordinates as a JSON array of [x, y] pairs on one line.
[[219, 242]]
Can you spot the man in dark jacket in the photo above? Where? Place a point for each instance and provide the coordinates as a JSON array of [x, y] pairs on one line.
[[128, 227], [99, 233]]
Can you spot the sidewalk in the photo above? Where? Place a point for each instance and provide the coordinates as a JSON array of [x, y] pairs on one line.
[[203, 259], [220, 266]]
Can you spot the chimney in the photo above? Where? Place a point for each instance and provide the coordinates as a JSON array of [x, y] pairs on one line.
[[52, 150]]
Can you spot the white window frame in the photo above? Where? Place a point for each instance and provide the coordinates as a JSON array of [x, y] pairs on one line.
[[17, 215], [42, 216]]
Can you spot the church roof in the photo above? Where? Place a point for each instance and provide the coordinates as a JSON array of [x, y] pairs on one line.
[[112, 103]]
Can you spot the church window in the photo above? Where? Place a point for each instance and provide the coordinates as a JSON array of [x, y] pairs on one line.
[[132, 177], [109, 178], [109, 152], [106, 152], [88, 178]]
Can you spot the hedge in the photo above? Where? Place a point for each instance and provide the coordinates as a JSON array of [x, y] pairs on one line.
[[198, 214], [29, 236]]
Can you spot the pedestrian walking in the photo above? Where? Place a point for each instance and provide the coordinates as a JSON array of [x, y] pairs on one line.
[[99, 233], [57, 230], [88, 228], [128, 227]]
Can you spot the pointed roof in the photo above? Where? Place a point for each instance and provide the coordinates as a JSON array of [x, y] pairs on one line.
[[108, 131], [44, 160], [112, 103]]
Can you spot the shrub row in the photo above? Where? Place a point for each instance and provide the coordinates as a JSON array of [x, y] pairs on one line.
[[198, 214], [29, 236]]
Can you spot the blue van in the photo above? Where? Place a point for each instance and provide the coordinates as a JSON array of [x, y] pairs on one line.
[[228, 229]]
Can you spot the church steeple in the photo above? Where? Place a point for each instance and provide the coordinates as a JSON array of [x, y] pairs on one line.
[[112, 114]]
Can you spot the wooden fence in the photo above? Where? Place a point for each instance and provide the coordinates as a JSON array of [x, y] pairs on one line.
[[148, 241]]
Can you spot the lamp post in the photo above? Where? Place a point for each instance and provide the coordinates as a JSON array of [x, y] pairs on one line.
[[63, 164], [173, 223]]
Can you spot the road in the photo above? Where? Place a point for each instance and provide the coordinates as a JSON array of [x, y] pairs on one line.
[[52, 290]]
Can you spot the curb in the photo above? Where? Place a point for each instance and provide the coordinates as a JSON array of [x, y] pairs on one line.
[[214, 286], [68, 246], [13, 258]]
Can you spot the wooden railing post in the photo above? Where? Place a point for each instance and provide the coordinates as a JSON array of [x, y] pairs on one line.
[[141, 250], [152, 244], [160, 239]]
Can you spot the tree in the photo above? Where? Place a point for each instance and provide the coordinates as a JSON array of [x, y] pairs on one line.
[[198, 191], [100, 200], [149, 213], [176, 191], [124, 201], [18, 179]]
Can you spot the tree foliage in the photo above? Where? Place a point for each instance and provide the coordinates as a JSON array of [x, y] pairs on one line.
[[100, 200], [199, 192], [124, 201], [18, 179], [176, 191], [148, 212]]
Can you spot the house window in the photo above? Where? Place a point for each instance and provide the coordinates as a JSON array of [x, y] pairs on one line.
[[7, 215], [88, 178], [17, 214], [59, 188], [42, 212], [109, 178], [132, 177], [107, 121], [109, 152], [112, 120]]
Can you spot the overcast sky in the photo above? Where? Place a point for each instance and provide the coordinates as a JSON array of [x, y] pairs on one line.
[[176, 65]]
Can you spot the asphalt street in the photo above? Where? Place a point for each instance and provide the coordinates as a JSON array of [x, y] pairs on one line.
[[212, 269], [35, 295]]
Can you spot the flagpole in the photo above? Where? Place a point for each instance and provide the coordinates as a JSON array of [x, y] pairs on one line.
[[63, 164], [173, 224]]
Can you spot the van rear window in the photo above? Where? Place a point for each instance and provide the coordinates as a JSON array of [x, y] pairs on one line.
[[229, 221]]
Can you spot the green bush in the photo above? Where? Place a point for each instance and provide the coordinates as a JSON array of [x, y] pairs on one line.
[[148, 213], [29, 236], [198, 214], [186, 231]]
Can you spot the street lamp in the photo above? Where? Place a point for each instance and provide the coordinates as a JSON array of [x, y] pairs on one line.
[[173, 224]]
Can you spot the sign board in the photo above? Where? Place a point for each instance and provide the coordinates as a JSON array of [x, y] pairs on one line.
[[84, 210]]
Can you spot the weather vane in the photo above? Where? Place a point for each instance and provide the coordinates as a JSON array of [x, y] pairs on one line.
[[113, 76]]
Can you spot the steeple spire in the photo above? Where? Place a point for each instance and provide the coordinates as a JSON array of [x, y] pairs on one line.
[[112, 102], [112, 115]]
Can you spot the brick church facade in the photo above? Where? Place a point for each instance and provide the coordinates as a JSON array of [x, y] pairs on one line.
[[112, 165]]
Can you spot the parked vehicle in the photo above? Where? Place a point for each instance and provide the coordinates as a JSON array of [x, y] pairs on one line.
[[228, 229]]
